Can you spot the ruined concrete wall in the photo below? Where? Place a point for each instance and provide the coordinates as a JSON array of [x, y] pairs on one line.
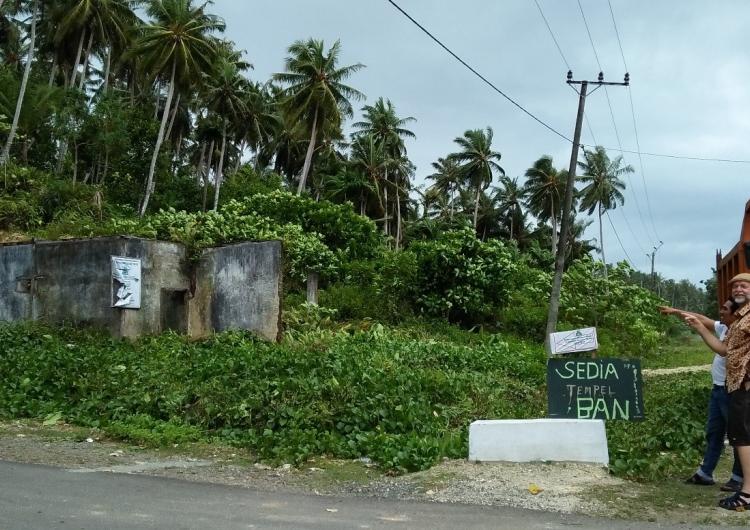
[[239, 287], [16, 273], [232, 287], [164, 281], [75, 282]]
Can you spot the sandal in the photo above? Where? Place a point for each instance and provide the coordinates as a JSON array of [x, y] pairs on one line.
[[737, 502]]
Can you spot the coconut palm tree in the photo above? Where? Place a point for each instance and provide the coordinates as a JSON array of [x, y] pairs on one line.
[[178, 44], [24, 82], [509, 198], [603, 187], [477, 162], [102, 24], [447, 183], [368, 157], [381, 121], [225, 95], [315, 92], [545, 189]]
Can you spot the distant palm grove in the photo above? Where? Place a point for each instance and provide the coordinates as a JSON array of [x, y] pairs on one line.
[[114, 110]]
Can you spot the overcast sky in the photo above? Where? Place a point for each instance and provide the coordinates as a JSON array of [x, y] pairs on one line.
[[689, 71]]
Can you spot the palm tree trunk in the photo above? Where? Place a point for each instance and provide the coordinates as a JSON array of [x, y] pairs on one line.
[[75, 162], [159, 140], [511, 224], [219, 172], [72, 80], [386, 230], [106, 165], [158, 99], [107, 66], [476, 207], [308, 155], [241, 149], [22, 91], [208, 173], [86, 57], [553, 216], [362, 203], [601, 241], [52, 72], [172, 116], [398, 219], [202, 159]]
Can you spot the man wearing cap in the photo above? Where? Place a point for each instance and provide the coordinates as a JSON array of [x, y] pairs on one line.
[[736, 349], [718, 403]]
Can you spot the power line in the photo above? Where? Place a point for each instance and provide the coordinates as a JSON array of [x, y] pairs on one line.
[[585, 116], [480, 76], [614, 123], [681, 157], [617, 33], [550, 128], [552, 34], [635, 127], [617, 133], [618, 239]]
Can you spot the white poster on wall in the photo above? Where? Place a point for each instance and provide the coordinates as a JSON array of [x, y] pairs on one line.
[[576, 340], [126, 282]]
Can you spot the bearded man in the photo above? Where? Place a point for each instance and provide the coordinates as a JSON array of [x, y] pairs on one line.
[[736, 349]]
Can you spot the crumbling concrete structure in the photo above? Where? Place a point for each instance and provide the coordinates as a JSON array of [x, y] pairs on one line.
[[76, 281]]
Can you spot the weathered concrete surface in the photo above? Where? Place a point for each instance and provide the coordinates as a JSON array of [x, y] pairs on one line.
[[16, 276], [232, 287], [239, 287], [74, 282]]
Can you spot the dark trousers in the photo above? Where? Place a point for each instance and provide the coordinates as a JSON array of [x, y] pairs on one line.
[[716, 430]]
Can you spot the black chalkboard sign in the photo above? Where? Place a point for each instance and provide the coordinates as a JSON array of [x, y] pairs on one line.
[[607, 389]]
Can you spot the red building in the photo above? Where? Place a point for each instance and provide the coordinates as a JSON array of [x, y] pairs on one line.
[[736, 261]]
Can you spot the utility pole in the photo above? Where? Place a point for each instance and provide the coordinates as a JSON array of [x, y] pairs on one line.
[[562, 247], [652, 255]]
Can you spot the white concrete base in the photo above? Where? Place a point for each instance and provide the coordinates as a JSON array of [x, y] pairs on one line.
[[538, 440]]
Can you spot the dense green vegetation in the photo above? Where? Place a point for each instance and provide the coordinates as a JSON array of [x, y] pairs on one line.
[[403, 397], [433, 299]]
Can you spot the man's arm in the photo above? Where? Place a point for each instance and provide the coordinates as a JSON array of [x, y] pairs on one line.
[[708, 323], [708, 337]]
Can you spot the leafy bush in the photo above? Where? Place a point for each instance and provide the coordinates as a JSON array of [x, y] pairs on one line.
[[670, 440], [342, 229], [402, 401], [304, 251], [461, 278], [626, 313]]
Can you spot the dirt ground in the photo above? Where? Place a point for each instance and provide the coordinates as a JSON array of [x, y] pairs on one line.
[[559, 487]]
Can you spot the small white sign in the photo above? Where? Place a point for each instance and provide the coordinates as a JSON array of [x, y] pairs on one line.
[[575, 340], [126, 282]]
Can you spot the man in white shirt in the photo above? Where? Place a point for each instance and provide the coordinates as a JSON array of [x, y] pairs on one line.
[[718, 404]]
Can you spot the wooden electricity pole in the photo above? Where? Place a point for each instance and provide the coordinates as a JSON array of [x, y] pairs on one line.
[[567, 214]]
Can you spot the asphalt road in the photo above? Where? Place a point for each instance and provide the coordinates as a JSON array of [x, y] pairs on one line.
[[40, 497]]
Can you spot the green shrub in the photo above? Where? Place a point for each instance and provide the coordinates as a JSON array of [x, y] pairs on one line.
[[671, 439], [461, 278], [341, 228], [402, 401]]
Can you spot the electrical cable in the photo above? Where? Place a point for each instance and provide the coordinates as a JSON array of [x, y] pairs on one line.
[[614, 125], [480, 76], [549, 28], [635, 127], [585, 116], [630, 261]]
